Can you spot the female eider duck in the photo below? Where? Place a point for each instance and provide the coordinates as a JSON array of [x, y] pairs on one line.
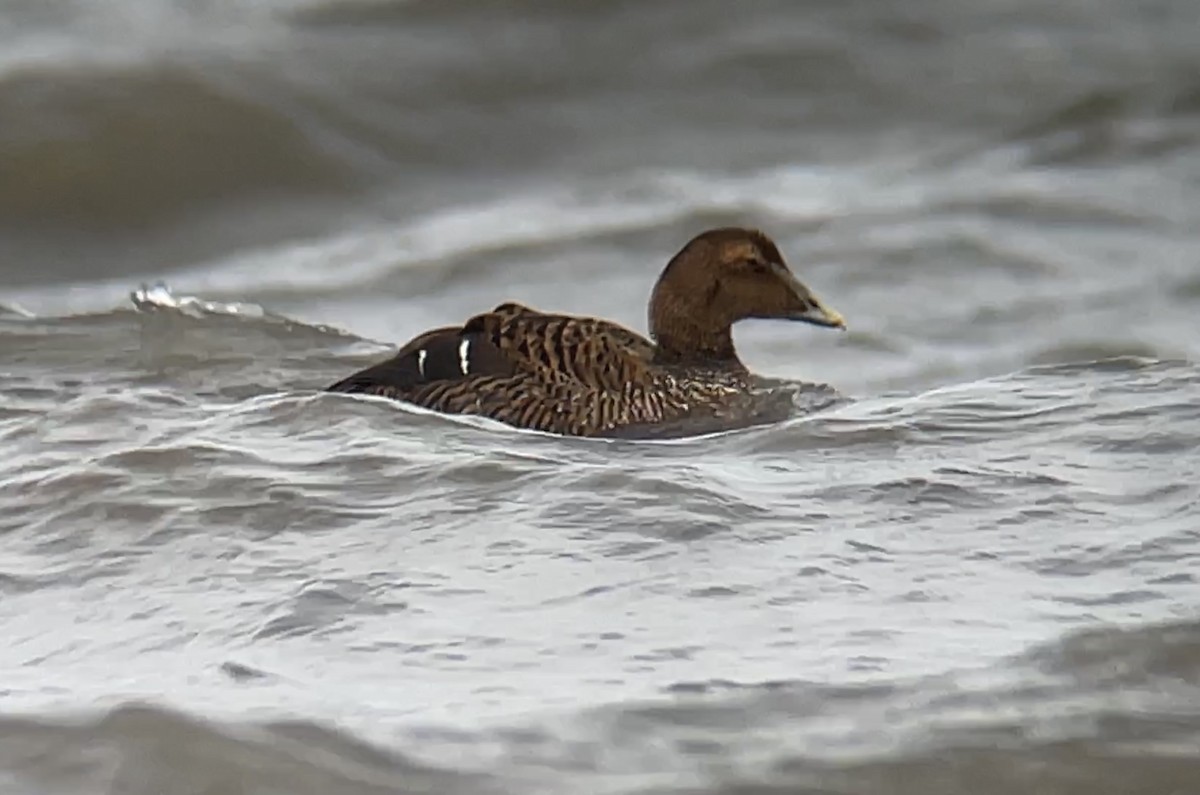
[[582, 376]]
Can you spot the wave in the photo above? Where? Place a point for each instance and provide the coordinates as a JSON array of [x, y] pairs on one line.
[[14, 310], [1119, 124], [123, 150], [462, 242], [1106, 709], [145, 749], [164, 320], [185, 110]]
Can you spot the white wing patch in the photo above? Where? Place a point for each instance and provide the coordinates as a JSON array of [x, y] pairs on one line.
[[421, 354], [464, 361]]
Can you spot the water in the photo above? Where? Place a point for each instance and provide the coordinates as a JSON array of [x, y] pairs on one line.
[[980, 572]]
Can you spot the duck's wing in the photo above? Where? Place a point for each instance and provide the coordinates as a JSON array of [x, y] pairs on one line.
[[441, 354], [511, 341], [614, 333], [566, 348]]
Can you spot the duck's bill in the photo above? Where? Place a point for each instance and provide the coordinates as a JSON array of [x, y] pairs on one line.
[[820, 315]]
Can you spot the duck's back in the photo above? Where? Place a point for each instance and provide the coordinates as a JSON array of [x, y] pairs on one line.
[[558, 373]]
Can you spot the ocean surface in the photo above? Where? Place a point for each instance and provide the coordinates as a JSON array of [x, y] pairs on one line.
[[978, 572]]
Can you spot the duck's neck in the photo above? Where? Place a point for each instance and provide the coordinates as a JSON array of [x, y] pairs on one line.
[[697, 348]]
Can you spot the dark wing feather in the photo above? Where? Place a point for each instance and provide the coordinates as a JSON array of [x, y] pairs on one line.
[[474, 360], [434, 356]]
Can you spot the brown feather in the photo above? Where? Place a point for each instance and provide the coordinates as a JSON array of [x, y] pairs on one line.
[[587, 376]]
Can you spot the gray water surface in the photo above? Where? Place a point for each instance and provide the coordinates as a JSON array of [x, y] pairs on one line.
[[978, 572]]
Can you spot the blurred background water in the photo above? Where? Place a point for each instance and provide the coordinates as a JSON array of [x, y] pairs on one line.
[[980, 573]]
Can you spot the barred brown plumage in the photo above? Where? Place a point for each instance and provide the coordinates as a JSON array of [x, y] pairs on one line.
[[585, 376]]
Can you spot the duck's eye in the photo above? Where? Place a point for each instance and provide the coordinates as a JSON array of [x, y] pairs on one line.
[[758, 265]]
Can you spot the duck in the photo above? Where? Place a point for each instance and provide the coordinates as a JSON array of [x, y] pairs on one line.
[[585, 376]]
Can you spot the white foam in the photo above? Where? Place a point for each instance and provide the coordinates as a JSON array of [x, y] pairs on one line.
[[159, 296]]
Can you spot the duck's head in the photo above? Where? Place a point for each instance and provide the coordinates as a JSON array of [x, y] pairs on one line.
[[720, 277]]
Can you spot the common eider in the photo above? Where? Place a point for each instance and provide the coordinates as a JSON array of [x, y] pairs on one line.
[[583, 376]]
